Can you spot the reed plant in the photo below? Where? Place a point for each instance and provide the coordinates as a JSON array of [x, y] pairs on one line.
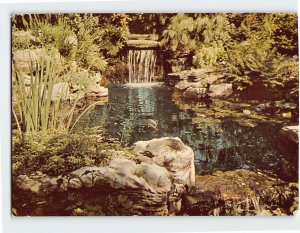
[[34, 109]]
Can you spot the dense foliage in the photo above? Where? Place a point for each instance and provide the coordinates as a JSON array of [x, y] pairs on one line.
[[86, 38], [256, 49], [58, 153]]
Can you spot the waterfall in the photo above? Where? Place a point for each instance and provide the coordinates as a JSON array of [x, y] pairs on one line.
[[141, 65]]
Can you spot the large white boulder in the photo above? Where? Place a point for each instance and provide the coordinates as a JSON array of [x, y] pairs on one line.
[[172, 154]]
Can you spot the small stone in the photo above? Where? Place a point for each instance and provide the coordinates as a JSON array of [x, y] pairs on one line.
[[287, 115], [75, 183], [246, 112]]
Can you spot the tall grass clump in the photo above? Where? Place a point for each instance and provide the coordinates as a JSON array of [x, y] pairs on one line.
[[34, 108]]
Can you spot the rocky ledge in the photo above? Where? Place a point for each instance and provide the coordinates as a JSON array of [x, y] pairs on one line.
[[160, 180], [143, 41], [200, 83], [153, 184], [22, 60]]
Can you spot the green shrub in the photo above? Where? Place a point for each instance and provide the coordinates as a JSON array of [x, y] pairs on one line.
[[58, 153], [55, 35], [252, 64], [190, 32], [212, 55]]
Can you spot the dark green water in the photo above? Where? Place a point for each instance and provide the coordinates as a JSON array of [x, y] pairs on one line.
[[133, 113]]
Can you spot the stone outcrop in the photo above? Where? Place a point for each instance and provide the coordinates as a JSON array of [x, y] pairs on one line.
[[142, 44], [60, 91], [194, 93], [22, 59], [198, 77], [143, 41], [200, 83], [221, 90], [241, 192], [172, 154], [25, 61], [287, 143], [151, 185], [73, 91], [26, 36], [122, 188], [94, 88], [134, 36]]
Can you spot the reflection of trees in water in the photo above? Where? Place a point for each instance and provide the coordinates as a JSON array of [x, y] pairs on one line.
[[229, 146], [220, 146]]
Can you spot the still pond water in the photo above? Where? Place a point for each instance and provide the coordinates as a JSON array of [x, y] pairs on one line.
[[143, 113]]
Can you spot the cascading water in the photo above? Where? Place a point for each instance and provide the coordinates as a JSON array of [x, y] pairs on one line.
[[141, 65]]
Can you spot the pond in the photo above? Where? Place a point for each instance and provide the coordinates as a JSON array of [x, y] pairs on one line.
[[143, 113]]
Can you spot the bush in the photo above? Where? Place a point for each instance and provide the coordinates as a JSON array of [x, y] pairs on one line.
[[96, 36], [55, 35], [57, 153], [262, 65], [213, 55], [190, 32]]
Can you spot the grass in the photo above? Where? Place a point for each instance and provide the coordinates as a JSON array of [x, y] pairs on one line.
[[34, 110]]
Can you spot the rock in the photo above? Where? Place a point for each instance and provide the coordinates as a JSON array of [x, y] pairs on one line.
[[77, 96], [26, 35], [196, 82], [123, 188], [194, 93], [220, 90], [195, 77], [246, 112], [287, 143], [286, 114], [172, 154], [262, 107], [98, 78], [23, 58], [183, 85], [74, 88], [94, 89], [240, 192], [143, 41], [245, 122], [288, 105], [60, 91], [142, 44], [99, 91], [277, 106], [27, 80], [150, 187], [27, 184], [153, 37]]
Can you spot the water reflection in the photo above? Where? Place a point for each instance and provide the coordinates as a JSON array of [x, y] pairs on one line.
[[134, 114]]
